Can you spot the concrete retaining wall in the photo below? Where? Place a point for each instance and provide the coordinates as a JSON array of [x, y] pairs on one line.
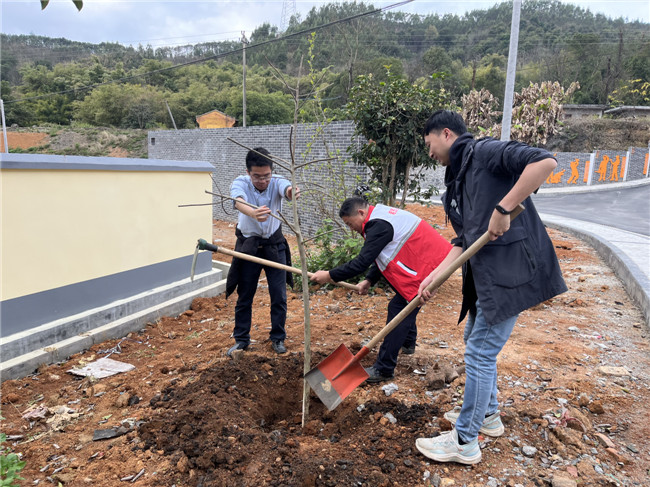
[[81, 232]]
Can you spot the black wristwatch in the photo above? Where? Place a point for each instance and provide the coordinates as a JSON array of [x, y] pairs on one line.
[[502, 210]]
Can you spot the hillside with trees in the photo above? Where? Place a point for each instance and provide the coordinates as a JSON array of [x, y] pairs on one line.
[[58, 81]]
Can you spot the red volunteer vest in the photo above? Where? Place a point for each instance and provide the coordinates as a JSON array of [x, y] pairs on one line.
[[416, 249]]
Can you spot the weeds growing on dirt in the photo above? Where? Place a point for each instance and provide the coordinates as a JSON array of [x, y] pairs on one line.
[[10, 465], [326, 253]]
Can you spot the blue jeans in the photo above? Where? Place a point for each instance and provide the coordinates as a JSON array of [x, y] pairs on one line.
[[482, 345], [246, 289]]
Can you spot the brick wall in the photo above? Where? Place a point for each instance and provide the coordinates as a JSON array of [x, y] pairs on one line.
[[317, 181], [340, 176]]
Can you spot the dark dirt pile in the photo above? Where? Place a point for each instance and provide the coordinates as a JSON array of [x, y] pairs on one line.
[[247, 430]]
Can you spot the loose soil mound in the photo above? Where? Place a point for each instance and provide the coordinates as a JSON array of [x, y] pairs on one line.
[[249, 431]]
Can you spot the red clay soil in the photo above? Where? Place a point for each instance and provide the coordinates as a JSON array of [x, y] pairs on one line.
[[23, 140], [573, 380]]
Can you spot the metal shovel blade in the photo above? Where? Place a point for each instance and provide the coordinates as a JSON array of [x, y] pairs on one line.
[[330, 390]]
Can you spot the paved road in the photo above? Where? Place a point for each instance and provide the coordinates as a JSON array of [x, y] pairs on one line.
[[624, 208], [616, 222]]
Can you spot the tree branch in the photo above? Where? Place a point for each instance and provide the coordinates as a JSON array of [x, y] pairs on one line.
[[276, 159]]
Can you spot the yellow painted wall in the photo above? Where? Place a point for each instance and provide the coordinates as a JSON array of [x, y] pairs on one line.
[[60, 227]]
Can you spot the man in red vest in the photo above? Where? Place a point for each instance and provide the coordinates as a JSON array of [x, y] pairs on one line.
[[404, 249]]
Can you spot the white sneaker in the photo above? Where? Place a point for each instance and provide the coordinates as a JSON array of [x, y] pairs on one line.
[[445, 448], [492, 425]]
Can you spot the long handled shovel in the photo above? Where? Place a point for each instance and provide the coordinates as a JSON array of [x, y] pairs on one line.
[[203, 245], [340, 373]]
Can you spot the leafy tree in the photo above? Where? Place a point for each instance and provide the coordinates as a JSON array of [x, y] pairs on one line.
[[436, 60], [558, 42], [262, 108], [15, 113], [390, 115], [126, 106], [635, 92]]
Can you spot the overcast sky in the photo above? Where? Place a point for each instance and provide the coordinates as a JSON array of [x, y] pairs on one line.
[[170, 23]]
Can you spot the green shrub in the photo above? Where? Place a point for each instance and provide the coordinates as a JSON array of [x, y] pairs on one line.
[[327, 253], [10, 465]]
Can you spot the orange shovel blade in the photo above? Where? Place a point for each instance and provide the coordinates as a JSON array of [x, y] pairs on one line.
[[330, 390]]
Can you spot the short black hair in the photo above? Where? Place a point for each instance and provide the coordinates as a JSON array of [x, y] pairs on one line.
[[351, 205], [259, 157], [445, 119]]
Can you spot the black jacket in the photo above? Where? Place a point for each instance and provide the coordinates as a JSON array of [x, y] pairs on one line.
[[265, 248], [519, 269]]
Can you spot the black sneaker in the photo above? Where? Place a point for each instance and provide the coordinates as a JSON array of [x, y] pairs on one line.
[[407, 350], [376, 376], [237, 346], [278, 346]]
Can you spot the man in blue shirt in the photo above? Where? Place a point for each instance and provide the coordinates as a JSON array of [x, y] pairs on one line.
[[260, 235]]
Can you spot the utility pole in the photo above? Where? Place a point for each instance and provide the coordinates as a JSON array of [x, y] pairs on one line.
[[4, 125], [170, 115], [512, 70], [244, 41]]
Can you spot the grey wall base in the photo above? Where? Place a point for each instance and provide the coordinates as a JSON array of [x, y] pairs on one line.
[[23, 353], [634, 280]]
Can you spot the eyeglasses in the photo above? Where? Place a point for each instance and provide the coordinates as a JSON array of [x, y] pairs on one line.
[[258, 178]]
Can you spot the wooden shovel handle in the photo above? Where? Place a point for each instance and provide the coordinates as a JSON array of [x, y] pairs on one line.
[[444, 275], [270, 263]]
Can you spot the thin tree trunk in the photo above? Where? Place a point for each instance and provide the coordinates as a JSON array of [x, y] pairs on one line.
[[391, 183], [406, 184], [303, 258], [384, 184]]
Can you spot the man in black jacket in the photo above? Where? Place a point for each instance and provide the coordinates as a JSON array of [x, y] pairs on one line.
[[485, 180]]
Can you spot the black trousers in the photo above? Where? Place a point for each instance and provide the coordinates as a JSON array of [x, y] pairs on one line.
[[246, 289], [404, 334]]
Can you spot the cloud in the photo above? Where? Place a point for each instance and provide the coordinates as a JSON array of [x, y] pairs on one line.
[[168, 23]]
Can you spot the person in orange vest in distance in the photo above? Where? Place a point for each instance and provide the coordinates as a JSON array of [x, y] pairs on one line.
[[404, 249]]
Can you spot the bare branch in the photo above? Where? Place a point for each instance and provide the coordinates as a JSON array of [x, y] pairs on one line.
[[290, 225], [243, 202], [315, 161], [198, 204], [284, 164], [278, 74], [320, 235]]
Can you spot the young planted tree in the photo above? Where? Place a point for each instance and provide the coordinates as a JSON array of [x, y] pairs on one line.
[[390, 115], [311, 87]]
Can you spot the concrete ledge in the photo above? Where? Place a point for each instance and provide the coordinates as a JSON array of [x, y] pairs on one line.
[[61, 329], [549, 190], [28, 362], [79, 163], [634, 279]]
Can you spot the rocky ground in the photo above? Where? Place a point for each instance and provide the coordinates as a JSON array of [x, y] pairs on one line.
[[574, 388]]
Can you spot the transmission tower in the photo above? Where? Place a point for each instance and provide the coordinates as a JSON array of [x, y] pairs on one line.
[[288, 10]]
